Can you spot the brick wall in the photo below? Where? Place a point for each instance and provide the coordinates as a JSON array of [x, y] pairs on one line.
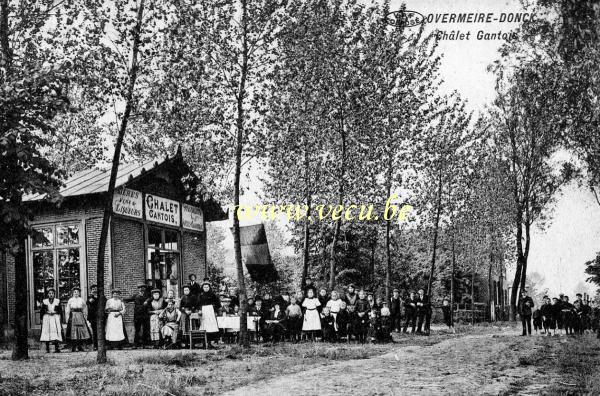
[[128, 259], [194, 250], [93, 227]]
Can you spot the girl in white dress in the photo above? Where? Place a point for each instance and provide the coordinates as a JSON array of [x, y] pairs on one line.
[[51, 326], [312, 319], [115, 329]]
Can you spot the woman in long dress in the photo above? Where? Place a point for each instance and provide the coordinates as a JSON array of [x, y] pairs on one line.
[[115, 328], [312, 319], [78, 331], [51, 326], [209, 303], [171, 317], [155, 307]]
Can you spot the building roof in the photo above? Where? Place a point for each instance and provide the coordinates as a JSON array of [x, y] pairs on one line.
[[94, 180]]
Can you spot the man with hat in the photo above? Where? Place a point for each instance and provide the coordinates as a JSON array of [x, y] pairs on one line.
[[525, 308], [395, 310], [578, 314], [195, 288], [140, 315], [422, 311]]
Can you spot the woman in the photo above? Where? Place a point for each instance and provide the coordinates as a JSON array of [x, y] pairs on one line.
[[51, 326], [78, 330], [209, 303], [115, 329], [171, 317], [155, 307]]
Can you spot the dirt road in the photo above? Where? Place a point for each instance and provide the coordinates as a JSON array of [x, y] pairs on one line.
[[471, 364]]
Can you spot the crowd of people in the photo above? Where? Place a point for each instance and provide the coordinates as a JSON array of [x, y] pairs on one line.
[[558, 316], [307, 314]]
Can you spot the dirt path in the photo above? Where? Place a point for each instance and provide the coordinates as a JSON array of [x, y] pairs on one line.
[[471, 364]]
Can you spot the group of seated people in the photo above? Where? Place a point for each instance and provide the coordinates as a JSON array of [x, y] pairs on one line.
[[165, 321]]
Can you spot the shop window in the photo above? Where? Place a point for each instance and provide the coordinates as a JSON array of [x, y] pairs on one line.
[[163, 255], [54, 263]]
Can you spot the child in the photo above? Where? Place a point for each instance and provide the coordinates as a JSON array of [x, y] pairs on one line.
[[353, 323], [537, 320], [323, 299], [328, 325], [170, 316], [362, 311], [293, 314], [78, 330], [334, 305], [51, 326], [226, 308], [546, 313], [386, 324], [312, 321], [374, 324], [115, 329], [342, 320]]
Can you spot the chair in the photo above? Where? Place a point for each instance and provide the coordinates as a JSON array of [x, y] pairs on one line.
[[195, 329]]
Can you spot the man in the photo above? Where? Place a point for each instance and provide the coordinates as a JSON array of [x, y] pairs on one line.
[[525, 308], [92, 307], [140, 315], [410, 312], [579, 314], [422, 311], [195, 288], [567, 315], [396, 310]]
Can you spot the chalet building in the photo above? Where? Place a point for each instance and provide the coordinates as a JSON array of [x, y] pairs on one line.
[[157, 235]]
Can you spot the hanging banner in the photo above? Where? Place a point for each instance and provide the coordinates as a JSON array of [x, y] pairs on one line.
[[127, 202], [255, 254], [192, 218], [162, 210]]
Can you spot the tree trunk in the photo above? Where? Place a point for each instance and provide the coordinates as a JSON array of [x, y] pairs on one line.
[[20, 347], [388, 254], [490, 291], [306, 247], [243, 341], [452, 278], [133, 73], [336, 232], [473, 297], [435, 235], [517, 280], [372, 262], [6, 52]]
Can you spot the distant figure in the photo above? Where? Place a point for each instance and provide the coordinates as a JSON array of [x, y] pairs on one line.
[[537, 321], [447, 312], [525, 310], [548, 315]]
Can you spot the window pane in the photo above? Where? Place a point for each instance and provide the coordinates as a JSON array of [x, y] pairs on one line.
[[43, 275], [67, 234], [162, 270], [68, 272], [171, 240], [43, 237], [154, 237]]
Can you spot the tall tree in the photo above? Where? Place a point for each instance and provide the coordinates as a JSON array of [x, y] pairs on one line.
[[33, 79]]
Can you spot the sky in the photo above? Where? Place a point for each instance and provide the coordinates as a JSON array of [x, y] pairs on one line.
[[559, 252]]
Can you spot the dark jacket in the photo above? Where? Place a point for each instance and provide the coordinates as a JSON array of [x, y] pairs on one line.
[[209, 298], [423, 308], [395, 306], [92, 306], [410, 306], [140, 311], [188, 302], [195, 289], [525, 306]]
